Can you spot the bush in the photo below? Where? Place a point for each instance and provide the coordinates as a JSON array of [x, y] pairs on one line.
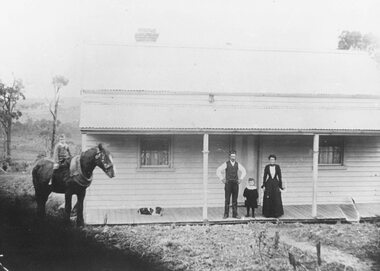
[[21, 166]]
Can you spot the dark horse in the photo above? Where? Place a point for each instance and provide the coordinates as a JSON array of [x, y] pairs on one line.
[[69, 185]]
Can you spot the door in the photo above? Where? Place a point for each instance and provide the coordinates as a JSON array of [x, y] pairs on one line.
[[247, 148]]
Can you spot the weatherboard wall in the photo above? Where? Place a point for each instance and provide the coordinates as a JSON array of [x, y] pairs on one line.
[[181, 185], [357, 178]]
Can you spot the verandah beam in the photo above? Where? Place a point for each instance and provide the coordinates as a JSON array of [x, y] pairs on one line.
[[205, 175], [315, 174]]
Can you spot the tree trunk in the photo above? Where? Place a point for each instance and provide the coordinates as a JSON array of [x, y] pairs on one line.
[[53, 136], [54, 128], [8, 137], [4, 144]]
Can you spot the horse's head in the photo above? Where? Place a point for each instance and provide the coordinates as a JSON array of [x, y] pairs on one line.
[[103, 159]]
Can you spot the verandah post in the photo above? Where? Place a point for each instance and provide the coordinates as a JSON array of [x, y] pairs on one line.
[[205, 175], [315, 174], [83, 148], [84, 142]]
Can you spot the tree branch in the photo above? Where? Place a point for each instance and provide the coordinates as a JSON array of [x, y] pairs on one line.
[[51, 111]]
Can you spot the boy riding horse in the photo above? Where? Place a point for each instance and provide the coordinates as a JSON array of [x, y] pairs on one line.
[[62, 158]]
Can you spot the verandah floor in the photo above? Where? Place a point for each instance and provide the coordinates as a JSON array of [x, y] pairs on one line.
[[293, 213]]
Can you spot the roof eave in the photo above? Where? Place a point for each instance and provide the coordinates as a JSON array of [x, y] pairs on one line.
[[131, 131], [312, 94]]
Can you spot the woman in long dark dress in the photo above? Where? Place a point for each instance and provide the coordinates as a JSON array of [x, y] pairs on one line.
[[272, 183]]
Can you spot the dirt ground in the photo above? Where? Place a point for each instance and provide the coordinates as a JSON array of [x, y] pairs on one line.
[[255, 246], [29, 245], [248, 246]]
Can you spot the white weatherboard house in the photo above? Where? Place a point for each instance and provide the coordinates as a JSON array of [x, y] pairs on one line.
[[170, 115]]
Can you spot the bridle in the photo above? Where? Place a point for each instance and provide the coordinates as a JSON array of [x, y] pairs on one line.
[[100, 160]]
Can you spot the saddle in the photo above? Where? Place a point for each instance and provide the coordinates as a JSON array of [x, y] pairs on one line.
[[70, 170], [60, 176], [75, 166], [76, 172]]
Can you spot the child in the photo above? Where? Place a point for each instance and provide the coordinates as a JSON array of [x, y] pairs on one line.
[[61, 159], [61, 152], [251, 195]]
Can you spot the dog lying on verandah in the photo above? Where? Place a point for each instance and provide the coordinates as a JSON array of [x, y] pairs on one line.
[[151, 211]]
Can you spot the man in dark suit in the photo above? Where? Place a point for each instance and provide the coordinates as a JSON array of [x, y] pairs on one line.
[[228, 173]]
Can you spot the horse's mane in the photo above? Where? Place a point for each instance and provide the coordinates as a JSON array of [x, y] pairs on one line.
[[99, 147]]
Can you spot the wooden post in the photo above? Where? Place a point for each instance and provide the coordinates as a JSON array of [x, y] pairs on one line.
[[239, 148], [319, 253], [83, 148], [258, 176], [205, 175], [84, 143], [315, 174]]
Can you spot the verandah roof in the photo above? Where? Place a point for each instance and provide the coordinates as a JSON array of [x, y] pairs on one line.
[[170, 112]]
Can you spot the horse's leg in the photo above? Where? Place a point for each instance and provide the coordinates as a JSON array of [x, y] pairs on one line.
[[68, 197], [79, 205], [42, 190], [42, 195]]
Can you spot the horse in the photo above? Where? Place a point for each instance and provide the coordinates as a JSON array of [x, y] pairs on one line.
[[70, 185]]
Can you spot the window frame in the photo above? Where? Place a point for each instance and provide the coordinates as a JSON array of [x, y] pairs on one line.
[[155, 167], [341, 145]]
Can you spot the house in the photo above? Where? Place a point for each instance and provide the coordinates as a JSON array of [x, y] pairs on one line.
[[169, 116]]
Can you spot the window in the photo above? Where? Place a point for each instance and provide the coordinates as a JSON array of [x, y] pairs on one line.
[[331, 150], [155, 152]]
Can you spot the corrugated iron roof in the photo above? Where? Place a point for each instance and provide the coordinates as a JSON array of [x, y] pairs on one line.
[[228, 90], [229, 70], [171, 112]]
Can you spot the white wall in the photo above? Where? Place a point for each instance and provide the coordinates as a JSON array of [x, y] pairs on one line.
[[358, 178]]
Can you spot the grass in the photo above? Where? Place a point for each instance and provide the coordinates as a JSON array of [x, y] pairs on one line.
[[254, 246], [28, 244], [219, 247], [361, 240], [26, 149]]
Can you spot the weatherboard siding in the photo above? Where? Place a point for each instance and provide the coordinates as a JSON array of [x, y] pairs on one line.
[[182, 185], [358, 178]]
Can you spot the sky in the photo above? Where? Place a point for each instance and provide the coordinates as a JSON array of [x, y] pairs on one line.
[[44, 38]]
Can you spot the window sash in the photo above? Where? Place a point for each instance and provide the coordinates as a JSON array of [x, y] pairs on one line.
[[331, 151], [155, 152], [331, 155]]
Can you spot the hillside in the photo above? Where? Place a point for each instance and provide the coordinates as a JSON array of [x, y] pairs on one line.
[[37, 109], [31, 134]]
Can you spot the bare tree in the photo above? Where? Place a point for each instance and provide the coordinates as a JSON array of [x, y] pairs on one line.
[[9, 96], [58, 82]]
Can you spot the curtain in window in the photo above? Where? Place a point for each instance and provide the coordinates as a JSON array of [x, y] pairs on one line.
[[154, 152], [330, 155], [331, 150]]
